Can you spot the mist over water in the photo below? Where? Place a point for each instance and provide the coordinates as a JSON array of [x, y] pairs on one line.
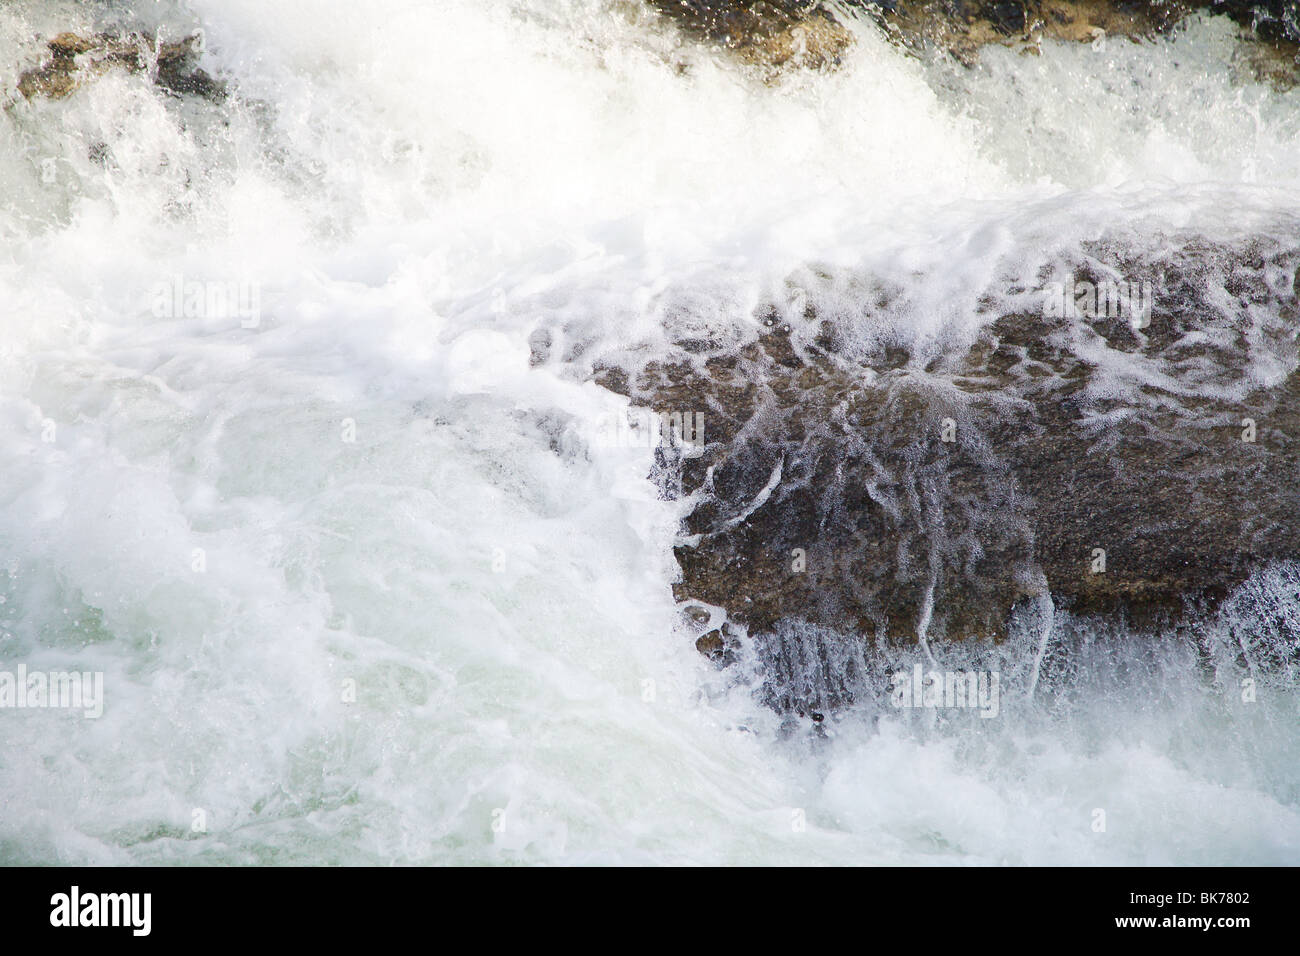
[[362, 587]]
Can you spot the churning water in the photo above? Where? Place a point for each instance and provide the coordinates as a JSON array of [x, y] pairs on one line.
[[361, 588]]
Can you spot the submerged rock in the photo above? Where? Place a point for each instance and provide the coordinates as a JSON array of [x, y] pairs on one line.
[[1130, 450], [73, 59]]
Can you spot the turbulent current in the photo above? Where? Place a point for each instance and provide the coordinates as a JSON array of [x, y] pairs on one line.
[[300, 442]]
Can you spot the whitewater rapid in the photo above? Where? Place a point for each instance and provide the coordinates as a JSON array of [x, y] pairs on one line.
[[361, 587]]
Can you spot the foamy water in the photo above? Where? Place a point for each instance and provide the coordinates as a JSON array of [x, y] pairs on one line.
[[360, 585]]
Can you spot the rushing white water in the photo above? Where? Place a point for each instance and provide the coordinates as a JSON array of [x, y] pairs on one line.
[[361, 588]]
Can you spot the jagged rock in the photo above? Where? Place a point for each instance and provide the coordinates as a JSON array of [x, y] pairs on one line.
[[963, 27], [773, 35], [778, 34], [73, 59], [828, 493], [1274, 20]]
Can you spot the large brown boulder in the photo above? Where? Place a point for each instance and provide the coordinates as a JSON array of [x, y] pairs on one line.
[[1132, 464]]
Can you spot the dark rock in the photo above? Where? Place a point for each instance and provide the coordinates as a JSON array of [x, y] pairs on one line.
[[73, 59], [772, 34], [710, 645], [778, 34], [827, 495], [1276, 20], [1006, 16]]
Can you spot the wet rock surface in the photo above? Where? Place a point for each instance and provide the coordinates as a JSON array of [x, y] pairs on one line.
[[74, 59], [1132, 466], [1269, 35], [774, 34], [809, 33]]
